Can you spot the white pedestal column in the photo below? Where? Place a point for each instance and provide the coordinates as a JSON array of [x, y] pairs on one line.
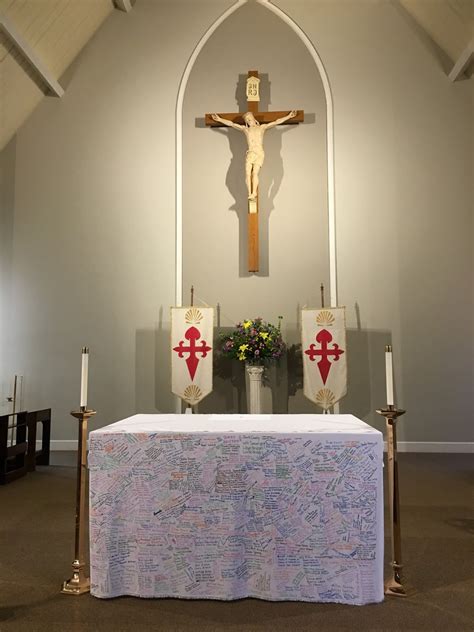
[[255, 374]]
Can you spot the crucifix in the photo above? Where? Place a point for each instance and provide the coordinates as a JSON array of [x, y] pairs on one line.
[[254, 124]]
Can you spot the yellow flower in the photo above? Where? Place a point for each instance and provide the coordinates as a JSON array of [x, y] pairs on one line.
[[243, 348], [241, 356], [247, 324], [264, 335]]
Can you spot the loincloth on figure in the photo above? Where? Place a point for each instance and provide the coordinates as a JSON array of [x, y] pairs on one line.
[[254, 158]]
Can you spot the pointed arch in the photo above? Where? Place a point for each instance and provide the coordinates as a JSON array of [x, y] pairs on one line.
[[268, 4]]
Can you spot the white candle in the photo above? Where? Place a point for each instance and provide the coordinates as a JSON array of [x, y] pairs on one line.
[[389, 374], [84, 376]]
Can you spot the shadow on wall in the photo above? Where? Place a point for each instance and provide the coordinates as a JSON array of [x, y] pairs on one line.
[[153, 368], [365, 374]]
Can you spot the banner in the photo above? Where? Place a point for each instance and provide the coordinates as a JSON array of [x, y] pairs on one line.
[[324, 355], [191, 352]]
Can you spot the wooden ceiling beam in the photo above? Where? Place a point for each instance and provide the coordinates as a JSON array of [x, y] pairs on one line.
[[463, 62], [123, 5], [7, 27]]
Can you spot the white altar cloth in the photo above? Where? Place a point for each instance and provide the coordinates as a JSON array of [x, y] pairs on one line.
[[278, 507]]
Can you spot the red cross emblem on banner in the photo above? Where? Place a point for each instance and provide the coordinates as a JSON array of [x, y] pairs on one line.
[[324, 365], [192, 361]]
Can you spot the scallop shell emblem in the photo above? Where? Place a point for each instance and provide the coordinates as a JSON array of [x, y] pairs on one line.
[[325, 398], [193, 316], [325, 318], [192, 394]]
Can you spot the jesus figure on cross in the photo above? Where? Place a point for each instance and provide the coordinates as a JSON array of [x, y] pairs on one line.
[[255, 155], [255, 124]]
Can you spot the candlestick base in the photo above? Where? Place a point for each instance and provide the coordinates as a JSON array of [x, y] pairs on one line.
[[393, 589], [79, 583]]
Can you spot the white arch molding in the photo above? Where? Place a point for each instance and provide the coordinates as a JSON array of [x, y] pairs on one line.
[[329, 140]]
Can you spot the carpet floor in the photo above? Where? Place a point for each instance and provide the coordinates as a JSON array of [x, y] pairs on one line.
[[37, 543]]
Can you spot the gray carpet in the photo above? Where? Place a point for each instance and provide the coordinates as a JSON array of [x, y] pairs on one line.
[[37, 541]]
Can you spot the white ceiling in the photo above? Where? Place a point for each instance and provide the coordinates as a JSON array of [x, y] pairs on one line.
[[56, 31], [53, 32], [450, 23]]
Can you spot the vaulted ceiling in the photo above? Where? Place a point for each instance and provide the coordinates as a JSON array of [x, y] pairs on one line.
[[38, 41], [40, 38], [450, 25]]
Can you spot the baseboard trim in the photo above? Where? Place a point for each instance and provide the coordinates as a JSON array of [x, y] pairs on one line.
[[63, 445], [452, 447], [459, 447]]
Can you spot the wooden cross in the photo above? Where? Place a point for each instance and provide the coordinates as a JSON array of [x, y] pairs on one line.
[[253, 98]]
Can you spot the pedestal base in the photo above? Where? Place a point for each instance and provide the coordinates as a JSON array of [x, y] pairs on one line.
[[393, 589], [74, 588], [79, 583], [255, 373]]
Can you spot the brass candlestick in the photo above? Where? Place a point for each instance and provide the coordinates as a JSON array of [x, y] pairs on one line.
[[394, 585], [80, 582]]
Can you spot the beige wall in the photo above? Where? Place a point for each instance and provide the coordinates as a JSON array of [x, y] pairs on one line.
[[7, 207], [89, 245], [404, 212]]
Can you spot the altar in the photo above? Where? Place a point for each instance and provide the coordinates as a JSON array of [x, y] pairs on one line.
[[276, 507]]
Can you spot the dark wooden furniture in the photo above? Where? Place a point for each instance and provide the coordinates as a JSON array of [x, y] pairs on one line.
[[38, 457], [13, 458], [22, 456]]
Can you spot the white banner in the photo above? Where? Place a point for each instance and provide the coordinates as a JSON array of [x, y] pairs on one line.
[[324, 355], [191, 352]]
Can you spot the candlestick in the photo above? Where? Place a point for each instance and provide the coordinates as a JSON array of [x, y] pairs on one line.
[[15, 382], [84, 377], [389, 374], [394, 585], [80, 582]]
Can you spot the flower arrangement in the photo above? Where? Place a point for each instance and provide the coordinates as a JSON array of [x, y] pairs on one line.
[[254, 341]]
